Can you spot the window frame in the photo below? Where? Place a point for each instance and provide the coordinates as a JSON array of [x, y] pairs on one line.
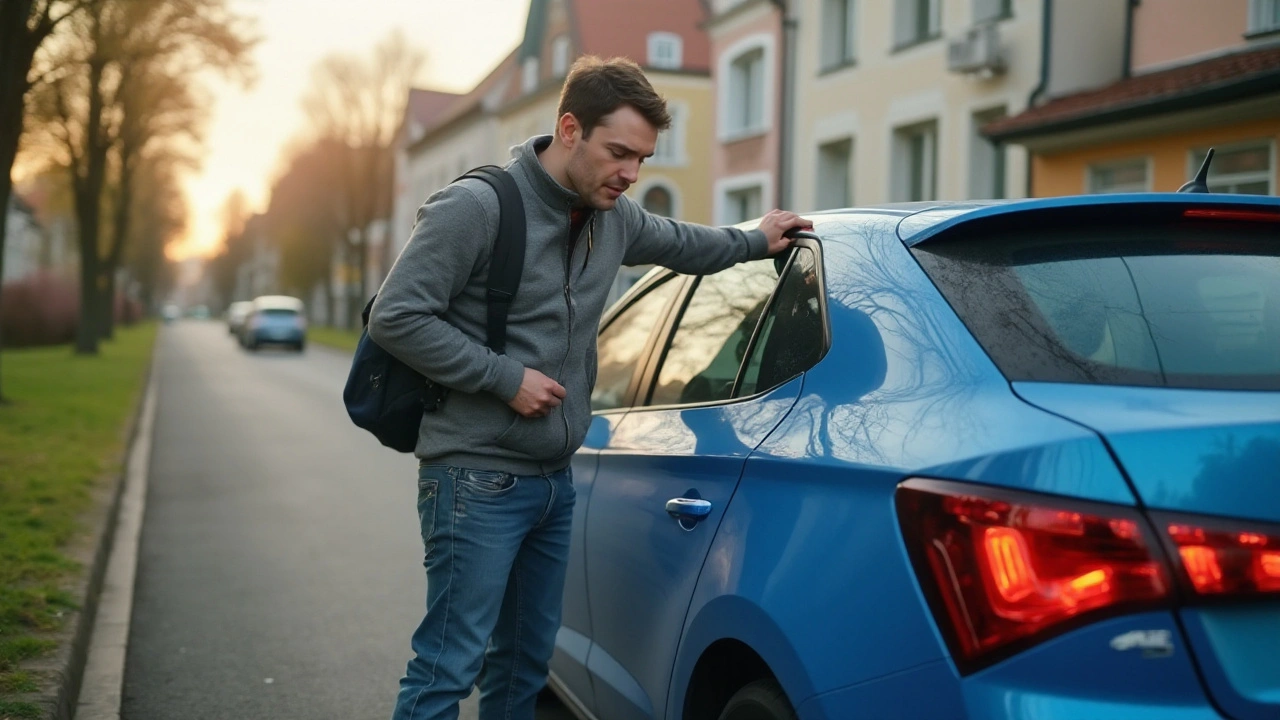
[[848, 38], [902, 174], [671, 40], [1090, 187], [1257, 11], [933, 23], [675, 137], [529, 74], [661, 182], [727, 102], [1005, 13], [660, 345], [823, 153], [561, 55]]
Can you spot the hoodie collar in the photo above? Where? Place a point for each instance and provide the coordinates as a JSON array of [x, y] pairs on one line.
[[551, 192]]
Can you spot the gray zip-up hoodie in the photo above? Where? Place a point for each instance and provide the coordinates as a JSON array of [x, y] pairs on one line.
[[431, 310]]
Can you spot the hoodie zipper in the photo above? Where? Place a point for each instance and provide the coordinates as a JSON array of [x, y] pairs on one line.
[[568, 302]]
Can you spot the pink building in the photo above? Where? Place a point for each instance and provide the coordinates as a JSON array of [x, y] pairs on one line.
[[747, 65]]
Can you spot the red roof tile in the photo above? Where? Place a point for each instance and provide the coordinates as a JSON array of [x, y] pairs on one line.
[[425, 105], [465, 104], [1150, 90]]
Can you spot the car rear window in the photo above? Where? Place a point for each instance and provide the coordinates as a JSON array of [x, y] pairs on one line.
[[1189, 304], [279, 313]]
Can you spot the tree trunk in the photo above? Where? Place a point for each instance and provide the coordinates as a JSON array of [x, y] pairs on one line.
[[88, 192], [353, 291], [17, 47], [120, 230]]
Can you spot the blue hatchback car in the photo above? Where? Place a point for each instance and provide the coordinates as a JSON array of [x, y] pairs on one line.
[[1005, 460]]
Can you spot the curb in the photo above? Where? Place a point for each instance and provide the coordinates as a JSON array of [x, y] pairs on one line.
[[92, 550]]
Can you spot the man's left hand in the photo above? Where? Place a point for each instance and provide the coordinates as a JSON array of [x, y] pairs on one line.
[[776, 224]]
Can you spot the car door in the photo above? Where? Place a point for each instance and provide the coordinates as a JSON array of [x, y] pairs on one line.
[[666, 474], [624, 341]]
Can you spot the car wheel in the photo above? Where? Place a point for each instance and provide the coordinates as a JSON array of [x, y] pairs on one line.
[[300, 347], [760, 700]]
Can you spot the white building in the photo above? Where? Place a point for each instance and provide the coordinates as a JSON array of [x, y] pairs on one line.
[[445, 135], [25, 247]]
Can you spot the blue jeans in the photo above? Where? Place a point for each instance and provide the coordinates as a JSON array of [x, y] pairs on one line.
[[496, 549]]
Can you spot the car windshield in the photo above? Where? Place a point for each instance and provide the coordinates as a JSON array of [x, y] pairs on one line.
[[1184, 304], [278, 313]]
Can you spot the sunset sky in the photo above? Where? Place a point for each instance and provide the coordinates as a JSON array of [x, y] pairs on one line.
[[462, 39]]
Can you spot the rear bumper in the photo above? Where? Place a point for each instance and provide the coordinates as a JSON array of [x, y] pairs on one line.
[[1077, 675], [281, 337]]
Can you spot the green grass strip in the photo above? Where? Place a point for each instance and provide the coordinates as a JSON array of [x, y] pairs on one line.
[[62, 434], [334, 337]]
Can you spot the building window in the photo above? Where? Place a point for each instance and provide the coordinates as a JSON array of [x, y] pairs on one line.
[[659, 201], [916, 21], [529, 77], [746, 93], [743, 204], [560, 56], [915, 162], [835, 170], [670, 149], [1120, 177], [986, 158], [839, 33], [1241, 169], [991, 10], [666, 51], [1264, 16]]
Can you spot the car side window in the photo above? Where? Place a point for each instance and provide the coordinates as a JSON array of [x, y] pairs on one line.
[[792, 338], [710, 342], [620, 344]]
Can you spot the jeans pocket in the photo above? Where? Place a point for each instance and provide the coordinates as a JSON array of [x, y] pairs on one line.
[[487, 483], [428, 495]]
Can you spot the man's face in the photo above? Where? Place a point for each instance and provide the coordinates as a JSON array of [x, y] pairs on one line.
[[603, 166]]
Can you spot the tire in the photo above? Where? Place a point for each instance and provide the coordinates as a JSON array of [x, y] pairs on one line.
[[300, 347], [760, 700]]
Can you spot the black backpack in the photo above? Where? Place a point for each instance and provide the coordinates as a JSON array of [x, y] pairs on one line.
[[387, 397]]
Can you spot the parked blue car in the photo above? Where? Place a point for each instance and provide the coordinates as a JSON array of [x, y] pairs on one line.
[[945, 460]]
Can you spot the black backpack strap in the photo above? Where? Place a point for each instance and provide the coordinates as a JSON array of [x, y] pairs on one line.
[[507, 261]]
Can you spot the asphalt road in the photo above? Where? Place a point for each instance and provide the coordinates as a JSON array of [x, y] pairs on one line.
[[280, 569]]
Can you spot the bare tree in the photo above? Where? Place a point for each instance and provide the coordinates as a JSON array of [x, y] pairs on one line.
[[359, 103], [24, 26], [118, 80], [306, 219]]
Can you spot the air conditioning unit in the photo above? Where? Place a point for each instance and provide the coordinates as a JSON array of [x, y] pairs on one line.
[[977, 52]]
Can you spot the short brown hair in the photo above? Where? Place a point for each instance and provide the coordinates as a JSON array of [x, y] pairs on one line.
[[596, 88]]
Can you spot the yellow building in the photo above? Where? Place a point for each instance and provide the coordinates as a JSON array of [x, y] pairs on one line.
[[1199, 75]]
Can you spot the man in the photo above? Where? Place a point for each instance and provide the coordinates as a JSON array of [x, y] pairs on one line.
[[495, 497]]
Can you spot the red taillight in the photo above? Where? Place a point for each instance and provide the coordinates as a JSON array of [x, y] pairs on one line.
[[1223, 559], [1004, 568], [1222, 214]]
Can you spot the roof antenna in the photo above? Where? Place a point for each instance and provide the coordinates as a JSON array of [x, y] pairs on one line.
[[1199, 183]]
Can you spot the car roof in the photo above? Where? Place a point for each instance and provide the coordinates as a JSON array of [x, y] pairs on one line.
[[921, 221]]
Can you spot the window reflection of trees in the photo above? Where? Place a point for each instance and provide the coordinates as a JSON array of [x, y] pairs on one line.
[[711, 339], [924, 367], [620, 344]]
